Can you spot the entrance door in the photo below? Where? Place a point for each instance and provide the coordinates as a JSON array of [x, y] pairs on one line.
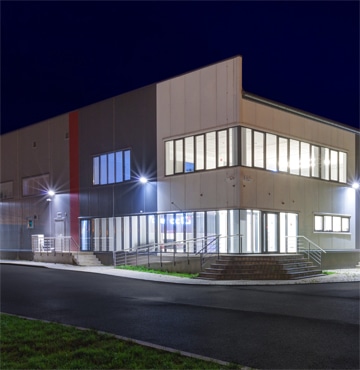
[[85, 235], [271, 233]]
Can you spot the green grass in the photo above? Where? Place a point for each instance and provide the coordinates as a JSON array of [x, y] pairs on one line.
[[31, 344], [329, 272], [160, 272]]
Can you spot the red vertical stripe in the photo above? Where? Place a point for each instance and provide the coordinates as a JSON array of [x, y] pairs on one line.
[[74, 174]]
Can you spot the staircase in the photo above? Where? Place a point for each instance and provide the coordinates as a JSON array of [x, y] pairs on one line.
[[86, 259], [264, 267]]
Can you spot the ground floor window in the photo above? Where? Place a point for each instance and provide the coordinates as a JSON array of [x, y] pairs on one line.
[[332, 223], [239, 230]]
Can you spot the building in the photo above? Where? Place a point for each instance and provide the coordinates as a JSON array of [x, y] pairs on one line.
[[217, 160]]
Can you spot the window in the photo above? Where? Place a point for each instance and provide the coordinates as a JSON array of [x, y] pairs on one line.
[[200, 158], [294, 157], [332, 223], [214, 149], [210, 151], [305, 159], [112, 167], [334, 165], [271, 152], [258, 149], [283, 154], [189, 154], [325, 163], [342, 167], [315, 161], [222, 148], [246, 147]]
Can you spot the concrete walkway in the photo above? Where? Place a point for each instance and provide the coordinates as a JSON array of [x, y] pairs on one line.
[[340, 275]]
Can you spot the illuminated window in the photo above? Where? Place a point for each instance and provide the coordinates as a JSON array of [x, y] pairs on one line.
[[112, 167], [222, 147], [210, 151], [334, 165], [294, 157], [189, 154], [258, 149], [305, 159], [283, 154], [271, 152], [342, 167], [214, 149], [246, 147], [200, 157], [315, 161], [169, 155], [332, 223], [325, 163], [179, 166]]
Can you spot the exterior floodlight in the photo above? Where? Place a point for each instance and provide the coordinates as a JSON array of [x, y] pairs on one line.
[[355, 185], [51, 193], [143, 180]]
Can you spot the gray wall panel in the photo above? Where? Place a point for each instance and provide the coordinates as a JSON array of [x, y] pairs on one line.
[[127, 121]]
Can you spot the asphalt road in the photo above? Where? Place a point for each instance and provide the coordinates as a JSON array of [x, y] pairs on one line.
[[313, 326]]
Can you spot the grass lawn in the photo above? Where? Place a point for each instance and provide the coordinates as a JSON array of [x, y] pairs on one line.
[[161, 272], [31, 344]]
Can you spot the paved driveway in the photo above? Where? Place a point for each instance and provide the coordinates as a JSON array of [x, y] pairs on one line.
[[308, 326]]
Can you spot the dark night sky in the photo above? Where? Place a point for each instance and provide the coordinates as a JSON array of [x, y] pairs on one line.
[[60, 56]]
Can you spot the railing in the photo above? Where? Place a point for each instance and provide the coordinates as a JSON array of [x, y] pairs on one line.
[[162, 252], [309, 248], [212, 248], [58, 244]]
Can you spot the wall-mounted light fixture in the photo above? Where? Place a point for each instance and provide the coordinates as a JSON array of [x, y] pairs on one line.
[[355, 185]]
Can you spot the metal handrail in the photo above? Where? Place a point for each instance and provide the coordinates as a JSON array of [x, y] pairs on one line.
[[53, 244], [314, 254], [136, 255]]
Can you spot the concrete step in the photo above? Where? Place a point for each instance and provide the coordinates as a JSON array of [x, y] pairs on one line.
[[278, 267], [86, 259]]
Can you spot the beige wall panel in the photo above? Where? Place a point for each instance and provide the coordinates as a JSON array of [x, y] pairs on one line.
[[227, 190], [177, 193], [281, 122], [264, 117], [192, 191], [192, 102], [163, 108], [324, 134], [208, 97], [265, 190], [248, 187], [234, 88], [297, 193], [208, 189], [281, 192], [310, 130], [177, 108], [325, 198], [248, 113], [224, 109], [297, 128]]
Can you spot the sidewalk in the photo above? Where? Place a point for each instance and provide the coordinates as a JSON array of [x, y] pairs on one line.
[[340, 275]]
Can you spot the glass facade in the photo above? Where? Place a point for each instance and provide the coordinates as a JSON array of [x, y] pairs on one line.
[[239, 231]]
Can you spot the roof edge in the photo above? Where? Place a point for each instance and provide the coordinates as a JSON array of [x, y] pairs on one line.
[[299, 112]]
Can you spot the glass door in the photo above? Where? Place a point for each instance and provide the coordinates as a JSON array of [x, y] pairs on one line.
[[85, 235], [271, 232]]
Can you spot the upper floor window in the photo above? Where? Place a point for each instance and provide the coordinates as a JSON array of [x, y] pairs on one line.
[[6, 190], [214, 149], [112, 167], [276, 153]]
